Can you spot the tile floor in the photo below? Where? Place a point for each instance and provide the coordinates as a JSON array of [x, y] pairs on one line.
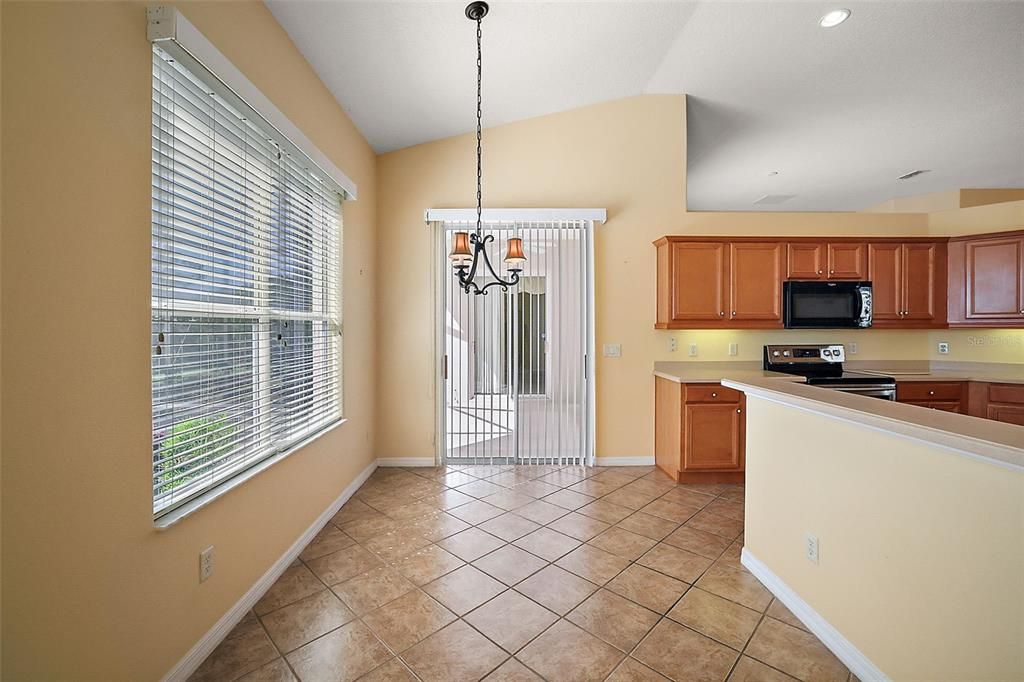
[[524, 573]]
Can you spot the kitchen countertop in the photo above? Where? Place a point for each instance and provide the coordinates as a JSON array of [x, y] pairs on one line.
[[993, 441], [902, 371]]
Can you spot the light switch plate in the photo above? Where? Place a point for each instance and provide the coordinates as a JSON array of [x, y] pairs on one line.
[[734, 349], [673, 344], [612, 350], [693, 350]]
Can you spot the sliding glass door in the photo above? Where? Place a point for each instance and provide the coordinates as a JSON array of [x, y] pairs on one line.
[[514, 381]]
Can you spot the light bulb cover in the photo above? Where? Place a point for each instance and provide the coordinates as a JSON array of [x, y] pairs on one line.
[[834, 18], [461, 252], [515, 256]]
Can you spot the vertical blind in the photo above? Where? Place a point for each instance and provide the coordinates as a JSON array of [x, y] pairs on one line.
[[245, 290]]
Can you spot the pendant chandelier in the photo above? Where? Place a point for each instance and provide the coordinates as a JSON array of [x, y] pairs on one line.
[[469, 249]]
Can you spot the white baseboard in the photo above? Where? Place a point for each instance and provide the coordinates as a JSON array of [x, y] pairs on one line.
[[647, 460], [405, 461], [859, 664], [205, 646]]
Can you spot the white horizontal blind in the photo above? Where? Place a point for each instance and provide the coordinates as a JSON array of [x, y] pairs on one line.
[[245, 300]]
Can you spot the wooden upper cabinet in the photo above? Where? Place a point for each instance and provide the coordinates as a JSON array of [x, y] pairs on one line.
[[848, 260], [805, 260], [755, 281], [995, 278], [885, 271], [699, 275], [924, 281], [908, 283]]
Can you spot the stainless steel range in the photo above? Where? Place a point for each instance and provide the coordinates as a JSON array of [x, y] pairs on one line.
[[822, 365]]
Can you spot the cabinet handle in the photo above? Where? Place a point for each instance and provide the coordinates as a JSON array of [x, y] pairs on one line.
[[931, 392], [819, 272], [739, 411], [734, 313], [714, 395], [721, 314], [831, 272]]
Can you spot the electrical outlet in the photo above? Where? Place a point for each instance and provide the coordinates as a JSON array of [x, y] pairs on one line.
[[693, 350], [852, 347], [612, 350], [943, 347], [734, 349], [673, 344], [811, 543], [206, 563]]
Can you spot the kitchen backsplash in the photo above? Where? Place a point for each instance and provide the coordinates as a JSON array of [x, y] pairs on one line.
[[966, 345]]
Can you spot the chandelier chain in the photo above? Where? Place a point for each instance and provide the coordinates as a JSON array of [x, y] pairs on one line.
[[479, 127]]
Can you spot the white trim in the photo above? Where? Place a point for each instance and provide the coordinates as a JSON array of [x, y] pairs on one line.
[[405, 461], [205, 646], [511, 215], [859, 664], [173, 32], [643, 461], [590, 363]]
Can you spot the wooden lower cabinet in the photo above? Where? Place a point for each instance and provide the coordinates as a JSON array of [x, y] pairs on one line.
[[699, 432], [999, 402], [949, 396]]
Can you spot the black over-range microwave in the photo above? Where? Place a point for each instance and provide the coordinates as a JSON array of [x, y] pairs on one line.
[[826, 305]]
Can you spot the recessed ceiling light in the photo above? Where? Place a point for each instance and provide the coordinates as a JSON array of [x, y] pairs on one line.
[[834, 18], [773, 172]]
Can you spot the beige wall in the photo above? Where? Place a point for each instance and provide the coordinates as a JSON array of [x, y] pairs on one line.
[[1000, 217], [91, 590], [628, 156], [904, 572]]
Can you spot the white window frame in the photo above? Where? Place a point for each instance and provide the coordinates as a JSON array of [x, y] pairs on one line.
[[179, 38]]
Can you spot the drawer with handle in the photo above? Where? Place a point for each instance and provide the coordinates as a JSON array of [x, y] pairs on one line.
[[927, 390], [711, 393]]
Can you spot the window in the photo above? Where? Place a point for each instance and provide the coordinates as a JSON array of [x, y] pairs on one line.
[[245, 289]]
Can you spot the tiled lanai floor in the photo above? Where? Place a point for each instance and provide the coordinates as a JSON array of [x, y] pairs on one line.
[[528, 573]]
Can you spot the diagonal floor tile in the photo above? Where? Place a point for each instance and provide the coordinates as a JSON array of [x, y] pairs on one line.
[[476, 512], [343, 654], [567, 499], [509, 499], [648, 588], [294, 584], [614, 619], [670, 511], [343, 564], [566, 653], [749, 670], [463, 589], [623, 543], [509, 526], [513, 671], [373, 589], [795, 652], [510, 564], [328, 540], [778, 611], [236, 656], [698, 541], [427, 564], [392, 671], [593, 564], [556, 589], [407, 620], [511, 620], [736, 585], [721, 619], [296, 624], [471, 544], [547, 544], [632, 670], [678, 563], [458, 653], [578, 526], [536, 489], [275, 671], [541, 512], [603, 510], [682, 654], [713, 523], [653, 527], [439, 526]]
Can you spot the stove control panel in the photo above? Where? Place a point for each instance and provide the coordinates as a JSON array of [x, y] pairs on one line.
[[805, 354]]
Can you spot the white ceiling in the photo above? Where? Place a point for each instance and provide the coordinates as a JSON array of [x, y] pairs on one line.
[[838, 113]]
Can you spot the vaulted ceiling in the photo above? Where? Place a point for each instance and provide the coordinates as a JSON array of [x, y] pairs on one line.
[[777, 105]]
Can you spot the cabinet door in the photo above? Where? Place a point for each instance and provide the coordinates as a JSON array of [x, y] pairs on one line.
[[755, 282], [712, 437], [1010, 414], [994, 278], [920, 262], [699, 275], [805, 261], [847, 261], [885, 270]]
